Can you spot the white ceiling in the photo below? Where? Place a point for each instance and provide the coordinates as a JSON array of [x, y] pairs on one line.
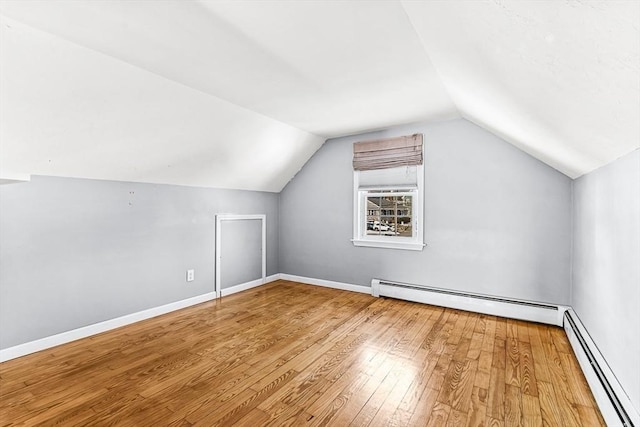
[[558, 79], [240, 94]]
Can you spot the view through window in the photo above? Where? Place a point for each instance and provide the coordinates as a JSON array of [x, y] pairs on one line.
[[389, 215]]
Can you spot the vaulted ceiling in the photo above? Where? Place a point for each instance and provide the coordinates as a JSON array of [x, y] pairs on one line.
[[240, 94]]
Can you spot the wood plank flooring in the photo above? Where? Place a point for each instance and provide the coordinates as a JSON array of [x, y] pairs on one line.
[[288, 354]]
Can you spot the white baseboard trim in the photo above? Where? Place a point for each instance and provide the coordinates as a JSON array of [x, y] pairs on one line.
[[326, 283], [601, 379], [86, 331], [248, 285]]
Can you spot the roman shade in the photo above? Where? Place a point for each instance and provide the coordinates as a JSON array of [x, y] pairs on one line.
[[388, 153], [403, 176]]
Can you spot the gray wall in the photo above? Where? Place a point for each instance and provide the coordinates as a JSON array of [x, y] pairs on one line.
[[497, 221], [606, 265], [241, 249], [74, 252]]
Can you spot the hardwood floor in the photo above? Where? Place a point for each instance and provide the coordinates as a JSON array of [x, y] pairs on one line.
[[293, 354]]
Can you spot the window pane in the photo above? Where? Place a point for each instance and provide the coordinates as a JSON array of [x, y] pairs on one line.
[[404, 227], [373, 215], [389, 215]]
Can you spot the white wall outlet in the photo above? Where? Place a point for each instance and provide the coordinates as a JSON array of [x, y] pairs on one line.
[[191, 275]]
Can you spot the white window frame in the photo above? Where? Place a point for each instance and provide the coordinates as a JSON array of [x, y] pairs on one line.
[[360, 237]]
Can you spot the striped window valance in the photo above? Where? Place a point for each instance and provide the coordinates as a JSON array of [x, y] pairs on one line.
[[388, 153]]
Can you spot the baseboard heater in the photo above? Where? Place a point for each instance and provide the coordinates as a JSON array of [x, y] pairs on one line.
[[486, 304], [615, 406]]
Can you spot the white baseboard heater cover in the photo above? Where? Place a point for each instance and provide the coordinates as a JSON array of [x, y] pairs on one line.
[[614, 404], [486, 304]]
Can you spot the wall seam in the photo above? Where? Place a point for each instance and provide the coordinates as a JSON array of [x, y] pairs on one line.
[[279, 233], [571, 243]]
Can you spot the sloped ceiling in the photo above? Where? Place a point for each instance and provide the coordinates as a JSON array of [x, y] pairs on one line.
[[559, 79], [241, 94]]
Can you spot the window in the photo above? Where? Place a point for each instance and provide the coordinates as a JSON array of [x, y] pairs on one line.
[[388, 176]]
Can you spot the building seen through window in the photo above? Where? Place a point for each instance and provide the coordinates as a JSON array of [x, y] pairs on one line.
[[389, 215]]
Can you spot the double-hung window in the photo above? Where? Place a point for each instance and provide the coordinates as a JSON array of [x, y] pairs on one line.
[[388, 179]]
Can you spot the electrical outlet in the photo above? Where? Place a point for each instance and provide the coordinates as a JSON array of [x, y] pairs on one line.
[[191, 275]]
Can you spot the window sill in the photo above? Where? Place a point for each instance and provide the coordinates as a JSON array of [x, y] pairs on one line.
[[389, 245]]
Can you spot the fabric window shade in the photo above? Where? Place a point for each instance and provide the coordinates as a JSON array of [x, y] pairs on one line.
[[388, 153], [403, 176]]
